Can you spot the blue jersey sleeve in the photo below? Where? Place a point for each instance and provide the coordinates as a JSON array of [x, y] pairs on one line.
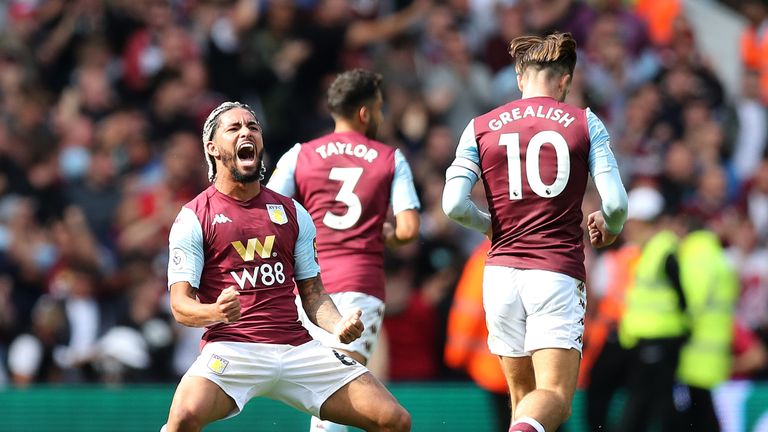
[[601, 157], [185, 248], [460, 178], [605, 174], [403, 190], [283, 180], [467, 162], [305, 252]]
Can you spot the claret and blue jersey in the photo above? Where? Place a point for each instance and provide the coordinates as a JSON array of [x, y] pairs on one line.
[[534, 156], [258, 246], [347, 182]]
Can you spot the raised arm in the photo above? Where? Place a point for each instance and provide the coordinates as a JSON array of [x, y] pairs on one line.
[[362, 33]]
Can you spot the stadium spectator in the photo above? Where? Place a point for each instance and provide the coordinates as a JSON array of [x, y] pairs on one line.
[[336, 41], [31, 355], [271, 54], [710, 286], [458, 87], [654, 324], [660, 17], [572, 16], [510, 24], [754, 201], [754, 42], [751, 137], [603, 367], [750, 354], [748, 256], [412, 355], [145, 216]]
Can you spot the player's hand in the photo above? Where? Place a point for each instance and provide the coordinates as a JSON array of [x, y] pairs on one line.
[[387, 231], [599, 236], [389, 235], [349, 327], [228, 305]]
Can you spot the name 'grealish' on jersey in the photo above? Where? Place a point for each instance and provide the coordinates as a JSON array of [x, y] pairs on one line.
[[258, 246], [535, 156]]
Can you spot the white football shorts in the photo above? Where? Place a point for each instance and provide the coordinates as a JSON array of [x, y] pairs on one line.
[[372, 317], [528, 310], [302, 376]]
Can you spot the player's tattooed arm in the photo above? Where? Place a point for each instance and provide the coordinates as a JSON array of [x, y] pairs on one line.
[[323, 312], [188, 311], [317, 303]]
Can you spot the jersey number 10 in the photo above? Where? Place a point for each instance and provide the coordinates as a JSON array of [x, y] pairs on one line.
[[512, 142]]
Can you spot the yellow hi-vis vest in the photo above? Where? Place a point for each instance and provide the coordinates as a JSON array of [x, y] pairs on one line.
[[652, 306], [711, 288]]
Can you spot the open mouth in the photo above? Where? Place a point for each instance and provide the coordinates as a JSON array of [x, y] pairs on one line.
[[246, 152]]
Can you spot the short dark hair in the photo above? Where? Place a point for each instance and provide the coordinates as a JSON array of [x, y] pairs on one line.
[[351, 90]]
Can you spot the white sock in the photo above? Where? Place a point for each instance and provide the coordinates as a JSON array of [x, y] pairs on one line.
[[536, 425], [317, 425]]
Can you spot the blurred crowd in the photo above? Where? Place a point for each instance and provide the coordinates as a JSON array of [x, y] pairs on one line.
[[102, 103]]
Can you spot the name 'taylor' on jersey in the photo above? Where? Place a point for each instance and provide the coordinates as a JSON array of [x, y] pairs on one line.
[[339, 148]]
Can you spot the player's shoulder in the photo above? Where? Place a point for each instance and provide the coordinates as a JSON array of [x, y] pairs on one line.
[[202, 201], [381, 147], [268, 195], [495, 111]]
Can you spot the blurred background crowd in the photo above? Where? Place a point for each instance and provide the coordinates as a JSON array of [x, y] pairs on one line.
[[102, 103]]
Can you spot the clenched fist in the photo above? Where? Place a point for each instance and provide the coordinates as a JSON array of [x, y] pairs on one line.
[[349, 327], [228, 305], [598, 233]]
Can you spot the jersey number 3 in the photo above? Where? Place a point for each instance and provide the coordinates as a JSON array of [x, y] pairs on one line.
[[348, 178], [512, 142]]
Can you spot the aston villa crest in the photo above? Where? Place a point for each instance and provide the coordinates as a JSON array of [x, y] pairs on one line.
[[277, 214]]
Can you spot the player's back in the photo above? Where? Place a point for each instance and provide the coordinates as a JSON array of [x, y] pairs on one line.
[[534, 156], [344, 180]]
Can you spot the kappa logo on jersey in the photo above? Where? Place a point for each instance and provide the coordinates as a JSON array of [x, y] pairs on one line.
[[220, 219], [217, 364], [253, 247], [277, 214]]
